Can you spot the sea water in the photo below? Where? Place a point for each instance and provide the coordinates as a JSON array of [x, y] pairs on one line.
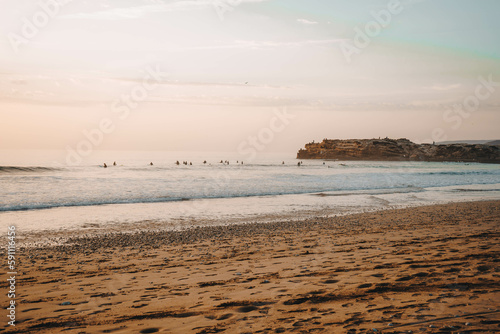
[[39, 191]]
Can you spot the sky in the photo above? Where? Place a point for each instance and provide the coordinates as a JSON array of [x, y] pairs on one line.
[[211, 75]]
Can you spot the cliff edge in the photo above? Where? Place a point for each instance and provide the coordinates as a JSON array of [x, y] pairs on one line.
[[398, 150]]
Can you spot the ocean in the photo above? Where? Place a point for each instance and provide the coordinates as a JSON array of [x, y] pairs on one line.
[[38, 191]]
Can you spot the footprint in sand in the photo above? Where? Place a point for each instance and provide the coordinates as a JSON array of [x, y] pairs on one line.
[[225, 316], [32, 309], [246, 309]]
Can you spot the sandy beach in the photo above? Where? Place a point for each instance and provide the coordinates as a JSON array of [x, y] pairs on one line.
[[427, 269]]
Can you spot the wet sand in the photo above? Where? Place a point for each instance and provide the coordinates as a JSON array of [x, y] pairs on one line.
[[432, 269]]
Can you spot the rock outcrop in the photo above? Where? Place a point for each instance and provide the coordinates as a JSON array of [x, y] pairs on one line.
[[494, 142], [398, 150]]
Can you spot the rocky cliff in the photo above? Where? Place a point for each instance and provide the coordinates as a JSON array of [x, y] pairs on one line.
[[398, 150]]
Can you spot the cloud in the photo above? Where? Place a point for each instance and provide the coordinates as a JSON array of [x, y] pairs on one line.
[[304, 21], [255, 45], [412, 2], [156, 7], [444, 87]]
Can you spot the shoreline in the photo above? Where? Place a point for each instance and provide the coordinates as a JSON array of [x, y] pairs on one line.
[[307, 219], [426, 267], [38, 227]]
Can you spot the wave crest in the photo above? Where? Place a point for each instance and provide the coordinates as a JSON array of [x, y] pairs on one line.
[[18, 169]]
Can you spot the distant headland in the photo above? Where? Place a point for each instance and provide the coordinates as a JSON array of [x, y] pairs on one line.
[[398, 150]]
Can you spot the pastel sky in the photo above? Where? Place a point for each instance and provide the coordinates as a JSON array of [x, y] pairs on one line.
[[227, 66]]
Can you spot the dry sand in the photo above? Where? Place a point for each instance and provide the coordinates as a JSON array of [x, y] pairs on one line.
[[431, 269]]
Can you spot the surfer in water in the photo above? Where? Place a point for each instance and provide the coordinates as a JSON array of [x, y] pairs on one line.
[[105, 166]]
